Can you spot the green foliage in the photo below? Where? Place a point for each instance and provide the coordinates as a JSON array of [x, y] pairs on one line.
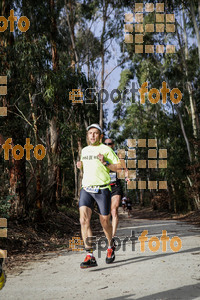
[[5, 206]]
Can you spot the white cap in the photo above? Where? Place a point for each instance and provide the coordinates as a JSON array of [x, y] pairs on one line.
[[95, 126]]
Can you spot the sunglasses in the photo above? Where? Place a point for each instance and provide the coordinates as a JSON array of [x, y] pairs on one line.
[[108, 144]]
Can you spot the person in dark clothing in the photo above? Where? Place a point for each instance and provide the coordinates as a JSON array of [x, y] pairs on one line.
[[129, 207]]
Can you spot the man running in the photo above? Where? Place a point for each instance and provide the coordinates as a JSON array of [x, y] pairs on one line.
[[124, 199], [96, 160], [129, 207], [116, 193]]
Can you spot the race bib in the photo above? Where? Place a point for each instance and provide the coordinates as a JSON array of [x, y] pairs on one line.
[[90, 189], [113, 177]]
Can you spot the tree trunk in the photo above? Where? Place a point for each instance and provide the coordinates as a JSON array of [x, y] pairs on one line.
[[182, 127], [192, 9], [17, 189], [70, 24], [38, 203], [75, 66], [52, 162], [184, 134], [196, 196], [105, 6], [199, 9], [75, 169], [174, 196], [53, 32], [185, 36], [53, 135]]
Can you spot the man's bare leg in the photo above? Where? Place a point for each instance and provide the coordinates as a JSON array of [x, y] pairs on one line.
[[107, 227], [85, 216], [115, 201]]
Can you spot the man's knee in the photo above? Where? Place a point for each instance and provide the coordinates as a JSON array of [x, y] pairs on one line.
[[85, 221], [114, 212], [105, 221]]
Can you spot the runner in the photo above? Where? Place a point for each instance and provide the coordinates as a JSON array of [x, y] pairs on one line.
[[129, 207], [124, 199], [116, 193], [96, 160]]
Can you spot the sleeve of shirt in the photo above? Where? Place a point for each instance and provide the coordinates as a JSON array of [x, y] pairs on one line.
[[111, 157]]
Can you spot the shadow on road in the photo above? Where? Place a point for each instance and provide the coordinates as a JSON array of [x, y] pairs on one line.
[[186, 292], [144, 258]]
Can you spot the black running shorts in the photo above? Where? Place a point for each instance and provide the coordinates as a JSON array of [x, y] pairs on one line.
[[102, 198], [116, 189]]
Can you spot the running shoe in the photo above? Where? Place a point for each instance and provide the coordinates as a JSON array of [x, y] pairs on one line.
[[110, 255], [89, 262], [114, 244]]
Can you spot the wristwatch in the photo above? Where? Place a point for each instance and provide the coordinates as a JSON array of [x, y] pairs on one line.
[[107, 163]]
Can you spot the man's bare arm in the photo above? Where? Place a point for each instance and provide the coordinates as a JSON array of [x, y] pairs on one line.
[[114, 167]]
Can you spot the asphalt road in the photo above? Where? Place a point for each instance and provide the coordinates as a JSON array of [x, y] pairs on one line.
[[134, 274]]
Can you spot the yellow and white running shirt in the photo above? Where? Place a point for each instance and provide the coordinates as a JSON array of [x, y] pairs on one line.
[[94, 172]]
